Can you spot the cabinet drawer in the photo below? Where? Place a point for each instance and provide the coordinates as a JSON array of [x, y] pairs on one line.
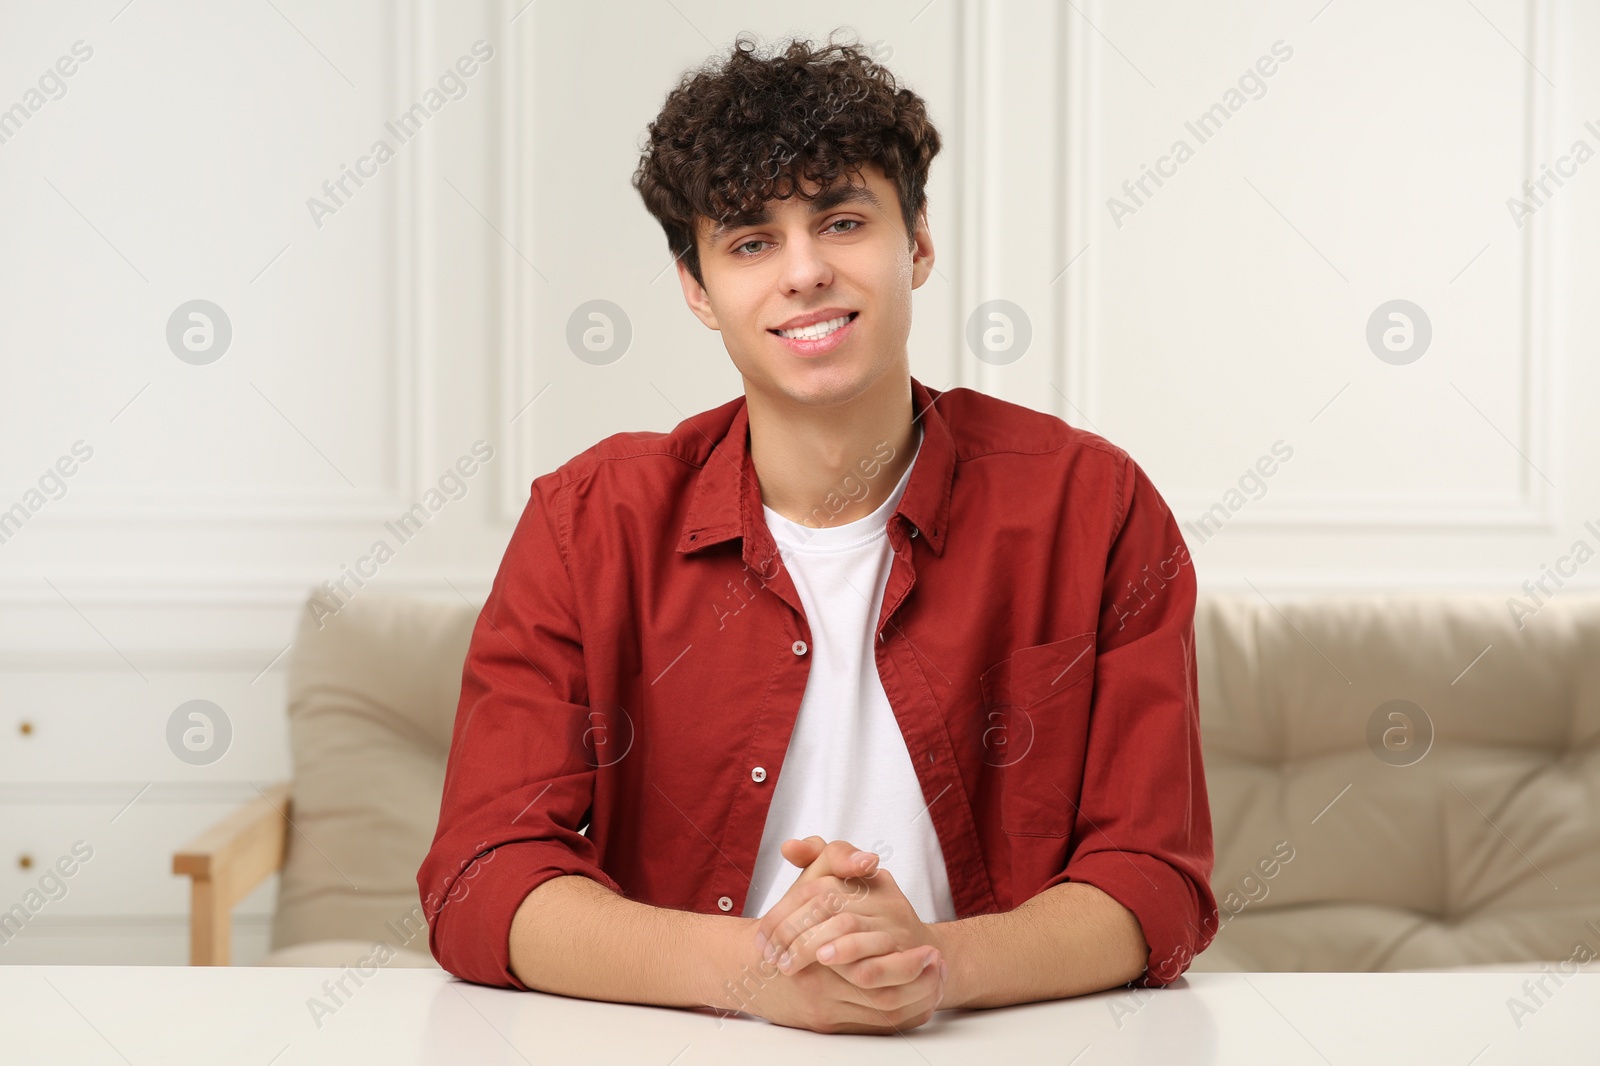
[[128, 869]]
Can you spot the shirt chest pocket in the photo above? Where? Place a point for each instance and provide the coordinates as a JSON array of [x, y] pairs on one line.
[[1036, 703]]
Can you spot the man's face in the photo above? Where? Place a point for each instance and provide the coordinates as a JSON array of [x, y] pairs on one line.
[[840, 252]]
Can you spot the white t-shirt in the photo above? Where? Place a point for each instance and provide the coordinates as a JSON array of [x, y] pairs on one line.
[[847, 774]]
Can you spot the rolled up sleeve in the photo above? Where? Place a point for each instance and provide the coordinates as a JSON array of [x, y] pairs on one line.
[[1143, 831], [517, 783]]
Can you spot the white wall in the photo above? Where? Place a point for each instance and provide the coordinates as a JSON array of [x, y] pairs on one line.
[[371, 348]]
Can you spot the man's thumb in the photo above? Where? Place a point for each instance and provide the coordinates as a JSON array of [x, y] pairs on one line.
[[802, 852]]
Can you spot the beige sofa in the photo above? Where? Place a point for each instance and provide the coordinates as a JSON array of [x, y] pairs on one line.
[[1485, 850], [1345, 839]]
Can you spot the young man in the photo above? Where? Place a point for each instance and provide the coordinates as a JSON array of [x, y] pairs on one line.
[[842, 625]]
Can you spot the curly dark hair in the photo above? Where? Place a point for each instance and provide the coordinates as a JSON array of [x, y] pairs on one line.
[[738, 132]]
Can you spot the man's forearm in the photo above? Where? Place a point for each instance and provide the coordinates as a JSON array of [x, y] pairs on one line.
[[575, 937], [1070, 939]]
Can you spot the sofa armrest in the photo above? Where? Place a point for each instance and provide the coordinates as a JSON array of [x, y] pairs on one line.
[[227, 861]]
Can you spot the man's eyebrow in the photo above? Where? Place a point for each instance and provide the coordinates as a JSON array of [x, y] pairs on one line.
[[826, 200]]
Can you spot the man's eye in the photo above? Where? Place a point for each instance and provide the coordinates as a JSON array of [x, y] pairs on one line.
[[740, 248]]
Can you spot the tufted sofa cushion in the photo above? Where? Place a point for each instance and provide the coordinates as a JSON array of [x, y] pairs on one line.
[[1343, 840], [372, 699]]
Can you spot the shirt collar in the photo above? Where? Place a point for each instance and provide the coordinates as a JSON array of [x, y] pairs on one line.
[[727, 495]]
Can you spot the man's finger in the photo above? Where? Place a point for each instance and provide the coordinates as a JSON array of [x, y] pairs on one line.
[[817, 858], [797, 918], [801, 951], [887, 1009], [806, 905], [896, 969], [842, 951], [840, 858]]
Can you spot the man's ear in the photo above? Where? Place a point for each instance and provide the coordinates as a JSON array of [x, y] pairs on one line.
[[695, 295], [921, 250]]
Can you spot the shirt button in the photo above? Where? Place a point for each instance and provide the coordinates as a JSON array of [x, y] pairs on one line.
[[798, 647], [759, 774], [725, 903], [913, 531]]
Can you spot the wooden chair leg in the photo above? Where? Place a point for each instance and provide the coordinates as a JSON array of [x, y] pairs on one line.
[[210, 925]]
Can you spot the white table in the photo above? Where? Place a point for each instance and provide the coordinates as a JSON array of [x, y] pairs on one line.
[[255, 1016]]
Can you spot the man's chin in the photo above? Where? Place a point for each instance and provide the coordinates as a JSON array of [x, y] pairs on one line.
[[820, 389]]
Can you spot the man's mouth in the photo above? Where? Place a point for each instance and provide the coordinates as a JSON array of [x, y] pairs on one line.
[[817, 330]]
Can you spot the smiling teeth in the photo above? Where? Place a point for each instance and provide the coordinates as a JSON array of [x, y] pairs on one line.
[[815, 331]]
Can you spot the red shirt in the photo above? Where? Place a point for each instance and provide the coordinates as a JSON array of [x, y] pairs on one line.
[[640, 660]]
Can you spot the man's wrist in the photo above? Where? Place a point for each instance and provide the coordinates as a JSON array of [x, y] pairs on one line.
[[947, 937], [727, 954]]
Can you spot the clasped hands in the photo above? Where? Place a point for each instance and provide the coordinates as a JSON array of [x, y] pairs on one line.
[[851, 953]]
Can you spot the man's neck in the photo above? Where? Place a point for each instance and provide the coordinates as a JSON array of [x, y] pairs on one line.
[[826, 467]]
